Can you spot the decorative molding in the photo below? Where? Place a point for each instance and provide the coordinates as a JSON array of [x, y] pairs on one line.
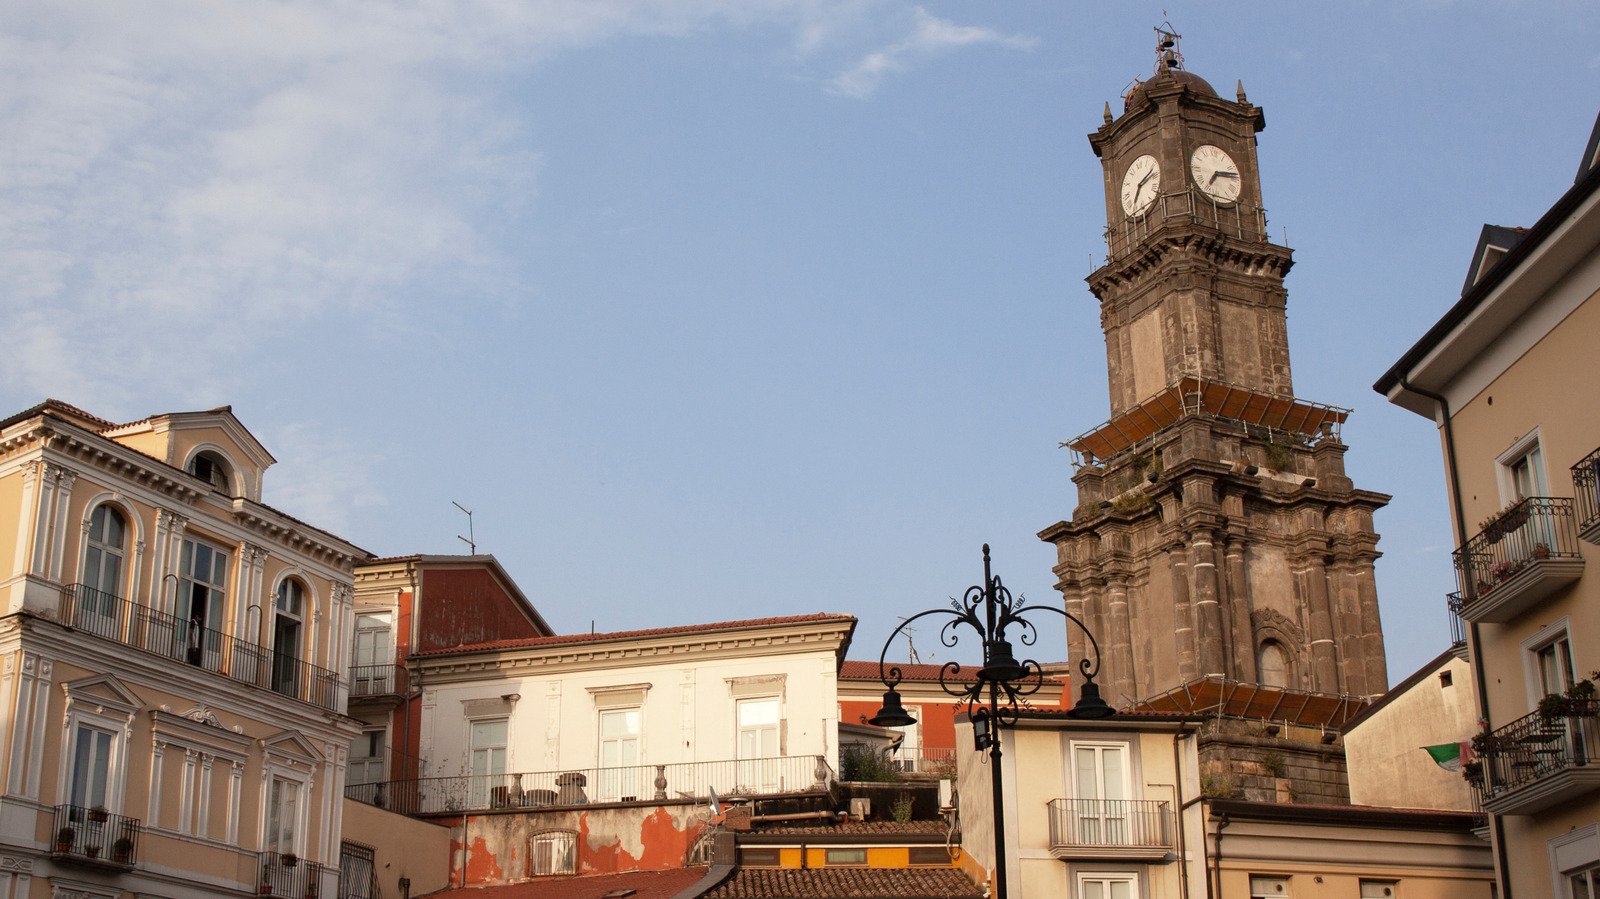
[[16, 863], [1264, 622], [203, 715]]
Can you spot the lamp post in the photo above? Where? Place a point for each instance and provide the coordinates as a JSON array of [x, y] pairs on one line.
[[991, 698]]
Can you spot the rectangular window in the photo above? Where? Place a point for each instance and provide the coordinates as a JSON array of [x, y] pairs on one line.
[[758, 728], [357, 872], [931, 855], [283, 817], [845, 857], [366, 759], [202, 598], [1584, 883], [619, 750], [1555, 667], [1379, 889], [555, 852], [760, 857], [488, 759], [1107, 886], [91, 766], [1100, 772], [373, 663], [1268, 887]]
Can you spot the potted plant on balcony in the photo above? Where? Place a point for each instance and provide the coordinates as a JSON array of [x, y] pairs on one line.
[[288, 859], [98, 814], [122, 850], [91, 851], [65, 838], [1497, 526], [1541, 551]]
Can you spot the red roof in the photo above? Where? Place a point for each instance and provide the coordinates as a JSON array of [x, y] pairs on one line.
[[645, 884], [862, 828], [867, 883], [563, 639], [852, 670]]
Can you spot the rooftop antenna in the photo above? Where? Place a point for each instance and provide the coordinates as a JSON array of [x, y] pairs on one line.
[[1168, 54], [911, 648], [471, 539]]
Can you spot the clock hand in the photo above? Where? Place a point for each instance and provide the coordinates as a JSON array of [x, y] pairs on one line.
[[1225, 175], [1142, 181]]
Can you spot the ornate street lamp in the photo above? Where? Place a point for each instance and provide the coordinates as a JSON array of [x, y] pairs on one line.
[[992, 697]]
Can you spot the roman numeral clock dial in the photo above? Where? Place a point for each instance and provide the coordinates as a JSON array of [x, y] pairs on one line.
[[1141, 185], [1215, 173]]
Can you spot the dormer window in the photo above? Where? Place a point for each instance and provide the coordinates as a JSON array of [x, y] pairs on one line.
[[210, 467]]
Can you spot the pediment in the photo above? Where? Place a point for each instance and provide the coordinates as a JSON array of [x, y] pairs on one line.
[[103, 691], [292, 746]]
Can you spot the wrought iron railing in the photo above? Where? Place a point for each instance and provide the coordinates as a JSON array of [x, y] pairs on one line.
[[114, 618], [377, 680], [1536, 746], [1130, 823], [284, 874], [1586, 491], [358, 873], [96, 836], [924, 761], [1458, 625], [642, 783], [1185, 207], [1539, 527]]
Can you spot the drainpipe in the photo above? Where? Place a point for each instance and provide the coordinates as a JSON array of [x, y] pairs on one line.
[[1214, 882], [1177, 800], [1496, 827]]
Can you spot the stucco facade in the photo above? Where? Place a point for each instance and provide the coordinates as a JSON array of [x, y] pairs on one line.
[[1383, 746], [172, 649]]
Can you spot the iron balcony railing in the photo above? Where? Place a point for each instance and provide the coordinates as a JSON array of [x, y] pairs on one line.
[[132, 624], [1586, 494], [1458, 625], [924, 761], [95, 836], [1539, 745], [1539, 527], [377, 680], [285, 874], [1186, 207], [682, 780], [1124, 823]]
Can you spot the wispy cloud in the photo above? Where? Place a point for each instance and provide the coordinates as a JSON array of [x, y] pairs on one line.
[[930, 36], [322, 477]]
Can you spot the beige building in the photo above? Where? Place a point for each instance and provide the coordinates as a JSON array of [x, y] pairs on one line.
[[172, 712], [1384, 745], [1108, 809], [1502, 375]]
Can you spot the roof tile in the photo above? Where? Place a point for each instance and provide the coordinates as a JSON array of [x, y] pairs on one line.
[[866, 883], [561, 639]]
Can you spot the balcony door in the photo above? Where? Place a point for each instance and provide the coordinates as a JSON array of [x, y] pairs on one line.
[[620, 777], [202, 594], [759, 724], [1100, 775], [374, 655], [98, 600]]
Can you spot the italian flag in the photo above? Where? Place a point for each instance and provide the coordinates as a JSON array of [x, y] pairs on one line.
[[1450, 756]]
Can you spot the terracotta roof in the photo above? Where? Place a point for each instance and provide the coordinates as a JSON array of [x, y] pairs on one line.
[[645, 884], [563, 639], [866, 883], [853, 670], [865, 828]]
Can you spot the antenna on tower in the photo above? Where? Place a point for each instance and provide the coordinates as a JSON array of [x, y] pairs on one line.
[[471, 539], [1168, 54], [911, 648]]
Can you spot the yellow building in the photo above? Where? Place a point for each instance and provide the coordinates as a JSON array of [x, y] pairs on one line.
[[171, 653], [1502, 375]]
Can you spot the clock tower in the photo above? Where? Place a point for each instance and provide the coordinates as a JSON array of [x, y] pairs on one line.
[[1216, 539]]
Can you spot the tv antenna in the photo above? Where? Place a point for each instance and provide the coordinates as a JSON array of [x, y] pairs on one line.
[[911, 648], [471, 539]]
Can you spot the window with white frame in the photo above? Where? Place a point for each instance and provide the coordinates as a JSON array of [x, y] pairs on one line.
[[366, 758], [373, 663], [1268, 887], [98, 714], [284, 800], [554, 852], [1548, 667], [1100, 798], [213, 469], [620, 777], [1108, 886], [758, 728], [1520, 470], [1380, 889], [93, 752], [1583, 883], [287, 624], [103, 557], [489, 739]]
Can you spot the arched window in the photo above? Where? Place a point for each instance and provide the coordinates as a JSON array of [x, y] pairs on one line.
[[103, 556], [1273, 665], [213, 469], [288, 619]]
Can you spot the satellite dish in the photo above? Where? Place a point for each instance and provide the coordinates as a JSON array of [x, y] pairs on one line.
[[716, 807]]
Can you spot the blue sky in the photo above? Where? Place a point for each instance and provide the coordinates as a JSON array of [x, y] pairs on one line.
[[715, 309]]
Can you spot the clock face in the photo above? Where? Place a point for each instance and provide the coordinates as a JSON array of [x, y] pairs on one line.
[[1141, 185], [1215, 173]]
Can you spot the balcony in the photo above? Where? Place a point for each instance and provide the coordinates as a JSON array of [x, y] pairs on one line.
[[113, 618], [1458, 627], [1586, 494], [1111, 829], [1526, 553], [377, 682], [93, 837], [588, 786], [286, 875], [1542, 759]]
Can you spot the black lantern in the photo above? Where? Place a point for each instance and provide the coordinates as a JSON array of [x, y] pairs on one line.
[[992, 695]]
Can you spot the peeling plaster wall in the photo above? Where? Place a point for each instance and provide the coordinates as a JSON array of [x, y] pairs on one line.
[[610, 840]]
